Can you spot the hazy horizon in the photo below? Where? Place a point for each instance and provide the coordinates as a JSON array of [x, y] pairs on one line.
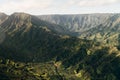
[[60, 13], [43, 7]]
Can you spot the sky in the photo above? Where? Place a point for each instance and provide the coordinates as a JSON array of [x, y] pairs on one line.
[[41, 7]]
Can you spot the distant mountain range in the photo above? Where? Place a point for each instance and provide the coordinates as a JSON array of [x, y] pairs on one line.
[[77, 23], [100, 27]]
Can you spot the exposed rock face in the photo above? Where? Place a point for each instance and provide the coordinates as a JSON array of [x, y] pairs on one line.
[[77, 23], [3, 17]]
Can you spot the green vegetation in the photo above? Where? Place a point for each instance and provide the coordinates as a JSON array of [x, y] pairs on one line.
[[103, 63], [32, 50]]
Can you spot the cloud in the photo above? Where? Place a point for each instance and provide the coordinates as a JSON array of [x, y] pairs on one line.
[[52, 6], [90, 3], [24, 5]]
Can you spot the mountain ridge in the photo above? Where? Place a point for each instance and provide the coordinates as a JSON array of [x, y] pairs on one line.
[[30, 20], [3, 16]]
